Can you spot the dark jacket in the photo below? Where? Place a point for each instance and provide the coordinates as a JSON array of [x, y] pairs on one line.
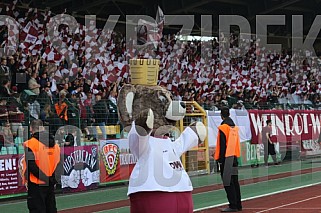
[[113, 113], [71, 139], [100, 112], [231, 123], [54, 123]]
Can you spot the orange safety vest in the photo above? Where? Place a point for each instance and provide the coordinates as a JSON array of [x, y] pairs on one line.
[[62, 111], [232, 141], [47, 159]]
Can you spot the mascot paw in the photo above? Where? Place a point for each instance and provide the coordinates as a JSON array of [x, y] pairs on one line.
[[145, 122], [150, 119], [200, 129]]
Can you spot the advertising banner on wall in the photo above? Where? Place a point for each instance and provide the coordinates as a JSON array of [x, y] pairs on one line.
[[10, 179], [289, 128], [116, 161], [287, 125], [80, 168]]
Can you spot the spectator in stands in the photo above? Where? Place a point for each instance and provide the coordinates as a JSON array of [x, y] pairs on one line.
[[73, 109], [33, 84], [16, 117], [52, 120], [87, 86], [239, 105], [84, 119], [239, 95], [249, 95], [177, 96], [61, 108], [45, 96], [217, 99], [187, 96], [4, 70], [101, 115], [69, 140], [5, 88], [3, 111], [306, 99], [34, 110], [64, 91], [112, 107], [43, 80], [88, 103], [316, 99], [13, 67], [224, 96], [53, 88], [7, 137]]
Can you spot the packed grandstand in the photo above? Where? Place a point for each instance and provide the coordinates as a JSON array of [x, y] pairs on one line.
[[77, 81]]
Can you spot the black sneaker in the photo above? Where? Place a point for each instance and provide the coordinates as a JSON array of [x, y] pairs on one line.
[[229, 210]]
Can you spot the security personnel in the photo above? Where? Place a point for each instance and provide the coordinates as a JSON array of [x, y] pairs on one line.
[[41, 158], [227, 152]]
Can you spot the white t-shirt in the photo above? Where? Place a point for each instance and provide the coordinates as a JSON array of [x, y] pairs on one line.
[[159, 167]]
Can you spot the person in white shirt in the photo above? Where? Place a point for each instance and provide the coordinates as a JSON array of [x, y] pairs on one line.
[[33, 84], [159, 182]]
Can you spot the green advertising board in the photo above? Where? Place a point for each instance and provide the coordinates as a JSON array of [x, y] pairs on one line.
[[253, 154]]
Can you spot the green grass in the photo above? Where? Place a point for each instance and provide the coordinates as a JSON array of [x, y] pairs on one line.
[[112, 193]]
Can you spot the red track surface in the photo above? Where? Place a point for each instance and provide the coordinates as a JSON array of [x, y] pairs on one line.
[[122, 203], [304, 200]]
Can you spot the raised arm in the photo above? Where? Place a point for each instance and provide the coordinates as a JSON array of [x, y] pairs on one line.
[[139, 135], [190, 138]]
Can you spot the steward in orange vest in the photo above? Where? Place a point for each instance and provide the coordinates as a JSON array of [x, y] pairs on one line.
[[230, 147], [226, 154], [40, 161]]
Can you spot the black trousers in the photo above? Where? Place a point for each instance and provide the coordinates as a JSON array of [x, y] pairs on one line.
[[229, 175], [269, 149], [41, 198]]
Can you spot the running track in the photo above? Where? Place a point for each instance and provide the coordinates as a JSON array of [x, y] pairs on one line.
[[303, 200], [121, 203]]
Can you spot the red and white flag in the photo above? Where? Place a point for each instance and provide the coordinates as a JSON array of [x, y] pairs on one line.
[[151, 33]]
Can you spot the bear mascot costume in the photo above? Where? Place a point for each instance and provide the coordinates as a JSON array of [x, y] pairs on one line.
[[158, 182]]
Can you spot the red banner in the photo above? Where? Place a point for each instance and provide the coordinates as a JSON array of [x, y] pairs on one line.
[[116, 161], [10, 179], [287, 125]]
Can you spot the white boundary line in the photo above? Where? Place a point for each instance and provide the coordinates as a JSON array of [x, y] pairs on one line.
[[61, 196], [20, 201], [259, 196], [113, 209], [289, 204]]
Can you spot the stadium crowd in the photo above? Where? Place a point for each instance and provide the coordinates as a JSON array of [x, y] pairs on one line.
[[77, 82]]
